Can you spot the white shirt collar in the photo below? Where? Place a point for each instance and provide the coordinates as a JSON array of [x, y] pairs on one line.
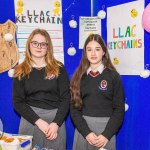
[[99, 69]]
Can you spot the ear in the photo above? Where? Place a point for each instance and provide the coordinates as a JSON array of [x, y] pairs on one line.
[[103, 53]]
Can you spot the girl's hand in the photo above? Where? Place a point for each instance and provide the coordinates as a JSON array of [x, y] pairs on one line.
[[52, 130], [42, 125], [91, 138], [101, 141]]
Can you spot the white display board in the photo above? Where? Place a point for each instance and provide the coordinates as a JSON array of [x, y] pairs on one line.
[[40, 14], [125, 37]]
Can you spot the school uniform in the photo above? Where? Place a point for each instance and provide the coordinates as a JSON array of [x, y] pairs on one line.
[[36, 97], [103, 108]]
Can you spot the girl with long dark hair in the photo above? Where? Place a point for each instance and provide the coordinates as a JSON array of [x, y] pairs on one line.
[[97, 98]]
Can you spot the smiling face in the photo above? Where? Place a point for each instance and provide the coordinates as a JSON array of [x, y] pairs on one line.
[[38, 47], [94, 53]]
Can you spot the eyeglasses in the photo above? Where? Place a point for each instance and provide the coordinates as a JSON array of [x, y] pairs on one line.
[[36, 44]]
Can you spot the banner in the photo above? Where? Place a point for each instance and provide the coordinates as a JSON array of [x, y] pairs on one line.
[[43, 14], [125, 37], [88, 25]]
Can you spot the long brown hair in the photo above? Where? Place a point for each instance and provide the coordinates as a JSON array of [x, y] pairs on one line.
[[84, 65], [52, 65]]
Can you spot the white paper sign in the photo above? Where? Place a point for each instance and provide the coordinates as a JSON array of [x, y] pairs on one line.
[[40, 14], [88, 25], [125, 37]]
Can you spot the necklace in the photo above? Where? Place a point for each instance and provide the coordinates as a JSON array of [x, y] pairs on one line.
[[38, 68]]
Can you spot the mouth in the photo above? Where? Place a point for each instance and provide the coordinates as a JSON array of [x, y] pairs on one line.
[[38, 51], [93, 58]]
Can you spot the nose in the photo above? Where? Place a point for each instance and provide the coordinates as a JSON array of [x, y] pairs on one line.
[[93, 52], [39, 46]]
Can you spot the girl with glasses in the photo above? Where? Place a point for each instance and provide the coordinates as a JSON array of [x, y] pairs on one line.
[[41, 93]]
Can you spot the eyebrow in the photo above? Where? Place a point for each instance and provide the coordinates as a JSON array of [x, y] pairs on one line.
[[38, 42], [95, 47]]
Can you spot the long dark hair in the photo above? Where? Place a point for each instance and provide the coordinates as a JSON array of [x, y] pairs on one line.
[[84, 65]]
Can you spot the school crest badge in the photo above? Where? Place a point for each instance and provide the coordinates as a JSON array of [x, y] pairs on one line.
[[103, 85]]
